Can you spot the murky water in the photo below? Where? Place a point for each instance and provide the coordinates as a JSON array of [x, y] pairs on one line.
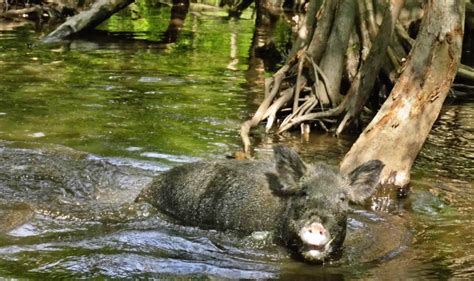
[[95, 119]]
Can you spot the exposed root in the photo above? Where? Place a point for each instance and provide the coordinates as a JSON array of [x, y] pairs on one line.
[[272, 86], [364, 31], [334, 112], [303, 99], [466, 72], [271, 112], [406, 40]]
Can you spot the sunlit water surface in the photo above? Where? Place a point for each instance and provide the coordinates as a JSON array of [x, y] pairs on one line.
[[126, 106]]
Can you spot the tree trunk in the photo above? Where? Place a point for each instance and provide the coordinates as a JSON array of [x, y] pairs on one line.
[[363, 84], [398, 131], [332, 64]]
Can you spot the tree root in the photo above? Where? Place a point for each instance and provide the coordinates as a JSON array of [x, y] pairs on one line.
[[466, 72], [300, 110], [273, 84], [303, 99]]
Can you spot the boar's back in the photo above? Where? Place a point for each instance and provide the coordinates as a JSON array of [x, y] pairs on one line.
[[222, 195]]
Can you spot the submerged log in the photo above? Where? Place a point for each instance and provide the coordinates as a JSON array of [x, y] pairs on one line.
[[398, 131], [98, 12]]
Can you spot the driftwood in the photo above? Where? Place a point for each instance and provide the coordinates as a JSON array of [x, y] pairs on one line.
[[98, 12]]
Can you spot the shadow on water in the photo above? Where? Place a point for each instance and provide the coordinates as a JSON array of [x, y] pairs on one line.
[[137, 105]]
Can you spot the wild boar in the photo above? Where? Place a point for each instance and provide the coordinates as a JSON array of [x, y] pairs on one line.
[[304, 205]]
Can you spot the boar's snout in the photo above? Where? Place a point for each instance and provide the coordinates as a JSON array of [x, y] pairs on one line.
[[318, 237], [316, 241]]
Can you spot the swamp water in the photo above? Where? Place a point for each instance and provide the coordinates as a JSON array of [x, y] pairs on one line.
[[85, 125]]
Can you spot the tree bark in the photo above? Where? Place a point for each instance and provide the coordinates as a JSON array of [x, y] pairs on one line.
[[332, 63], [363, 84], [325, 17], [398, 131], [99, 12]]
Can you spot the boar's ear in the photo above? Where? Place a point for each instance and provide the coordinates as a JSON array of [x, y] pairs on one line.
[[364, 180], [290, 169]]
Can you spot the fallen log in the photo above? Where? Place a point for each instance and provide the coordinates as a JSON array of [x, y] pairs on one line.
[[98, 12]]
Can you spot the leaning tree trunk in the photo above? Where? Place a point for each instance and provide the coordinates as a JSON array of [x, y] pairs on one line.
[[398, 131], [98, 12]]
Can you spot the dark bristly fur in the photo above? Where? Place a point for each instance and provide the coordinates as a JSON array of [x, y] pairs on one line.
[[280, 196]]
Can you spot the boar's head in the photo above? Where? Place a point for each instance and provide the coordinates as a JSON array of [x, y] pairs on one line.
[[318, 202]]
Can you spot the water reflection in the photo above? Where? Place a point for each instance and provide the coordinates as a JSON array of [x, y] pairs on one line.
[[123, 96], [455, 126]]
